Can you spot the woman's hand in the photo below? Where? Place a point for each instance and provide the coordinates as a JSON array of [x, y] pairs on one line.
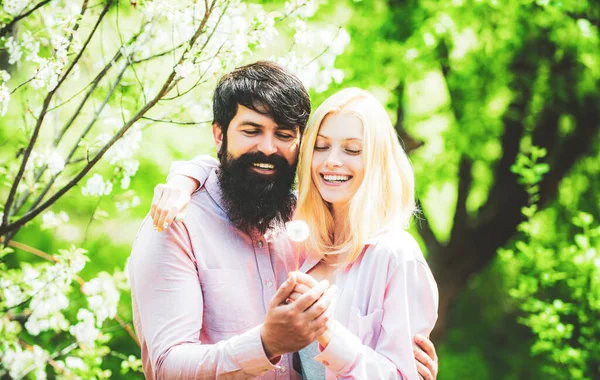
[[304, 283], [170, 200]]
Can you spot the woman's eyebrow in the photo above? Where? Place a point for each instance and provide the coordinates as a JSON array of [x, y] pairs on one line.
[[346, 139]]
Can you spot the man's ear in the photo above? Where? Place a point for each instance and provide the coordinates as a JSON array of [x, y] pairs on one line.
[[218, 135]]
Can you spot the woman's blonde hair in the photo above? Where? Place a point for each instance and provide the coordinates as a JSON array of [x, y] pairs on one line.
[[384, 200]]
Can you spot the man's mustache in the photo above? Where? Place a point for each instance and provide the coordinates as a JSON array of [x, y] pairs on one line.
[[248, 159]]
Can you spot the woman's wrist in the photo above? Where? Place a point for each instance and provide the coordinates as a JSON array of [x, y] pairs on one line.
[[184, 183]]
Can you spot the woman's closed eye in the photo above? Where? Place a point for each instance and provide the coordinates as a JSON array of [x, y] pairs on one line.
[[353, 151], [321, 148]]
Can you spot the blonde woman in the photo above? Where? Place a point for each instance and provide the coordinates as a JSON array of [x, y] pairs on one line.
[[356, 192]]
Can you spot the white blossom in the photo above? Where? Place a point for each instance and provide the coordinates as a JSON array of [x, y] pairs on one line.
[[50, 220], [122, 206], [20, 362], [74, 362], [48, 298], [14, 7], [103, 296], [51, 158], [13, 295], [95, 186], [125, 181], [184, 69], [46, 74], [4, 99], [135, 201], [31, 45], [14, 50], [302, 36], [304, 8], [85, 331]]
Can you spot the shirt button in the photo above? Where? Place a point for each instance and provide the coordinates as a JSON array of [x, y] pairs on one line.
[[282, 369], [259, 244], [325, 363], [269, 283]]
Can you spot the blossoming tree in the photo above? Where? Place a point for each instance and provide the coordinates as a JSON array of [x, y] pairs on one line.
[[85, 80]]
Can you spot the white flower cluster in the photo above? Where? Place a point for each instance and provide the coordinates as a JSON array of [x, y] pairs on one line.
[[54, 160], [50, 220], [4, 92], [49, 69], [121, 154], [103, 296], [85, 331], [21, 362], [317, 73], [96, 186], [184, 69], [14, 7], [14, 50], [11, 292], [47, 289], [304, 8], [125, 205]]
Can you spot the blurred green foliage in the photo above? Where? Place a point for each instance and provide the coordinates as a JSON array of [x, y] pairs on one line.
[[462, 76]]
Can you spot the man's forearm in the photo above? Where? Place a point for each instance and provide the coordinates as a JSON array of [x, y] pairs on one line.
[[237, 357]]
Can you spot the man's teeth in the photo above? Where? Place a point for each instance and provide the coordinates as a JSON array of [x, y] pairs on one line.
[[336, 178], [264, 166]]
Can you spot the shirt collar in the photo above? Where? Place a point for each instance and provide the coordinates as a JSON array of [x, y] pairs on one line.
[[213, 188]]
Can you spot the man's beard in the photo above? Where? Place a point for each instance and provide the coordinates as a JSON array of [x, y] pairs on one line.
[[253, 201]]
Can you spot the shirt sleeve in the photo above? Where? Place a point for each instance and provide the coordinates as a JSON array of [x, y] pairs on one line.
[[168, 309], [198, 168], [410, 307]]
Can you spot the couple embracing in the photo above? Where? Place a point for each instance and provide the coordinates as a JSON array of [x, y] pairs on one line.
[[224, 293]]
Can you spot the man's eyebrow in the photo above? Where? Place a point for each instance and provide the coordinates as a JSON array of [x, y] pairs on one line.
[[251, 123]]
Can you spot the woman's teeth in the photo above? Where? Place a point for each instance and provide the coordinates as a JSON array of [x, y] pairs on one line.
[[336, 178], [264, 166]]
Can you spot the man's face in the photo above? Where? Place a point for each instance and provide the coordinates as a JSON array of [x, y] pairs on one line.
[[258, 167], [252, 132]]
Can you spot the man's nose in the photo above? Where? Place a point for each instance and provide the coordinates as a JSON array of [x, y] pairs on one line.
[[267, 145]]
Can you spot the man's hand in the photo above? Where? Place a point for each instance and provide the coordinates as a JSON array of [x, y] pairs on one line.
[[427, 360], [170, 201], [291, 327]]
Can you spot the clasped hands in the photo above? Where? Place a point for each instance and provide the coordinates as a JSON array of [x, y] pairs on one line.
[[300, 313]]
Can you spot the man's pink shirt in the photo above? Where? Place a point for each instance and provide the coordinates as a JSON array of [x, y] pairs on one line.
[[200, 291]]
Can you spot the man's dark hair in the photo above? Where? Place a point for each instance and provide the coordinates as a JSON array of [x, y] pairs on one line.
[[264, 87]]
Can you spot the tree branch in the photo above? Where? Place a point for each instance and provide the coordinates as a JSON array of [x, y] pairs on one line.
[[82, 136], [408, 142], [9, 26], [465, 178], [177, 122], [575, 145], [4, 228], [40, 119], [94, 84], [431, 242]]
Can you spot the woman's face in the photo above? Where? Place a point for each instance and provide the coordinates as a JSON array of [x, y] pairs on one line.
[[337, 163]]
